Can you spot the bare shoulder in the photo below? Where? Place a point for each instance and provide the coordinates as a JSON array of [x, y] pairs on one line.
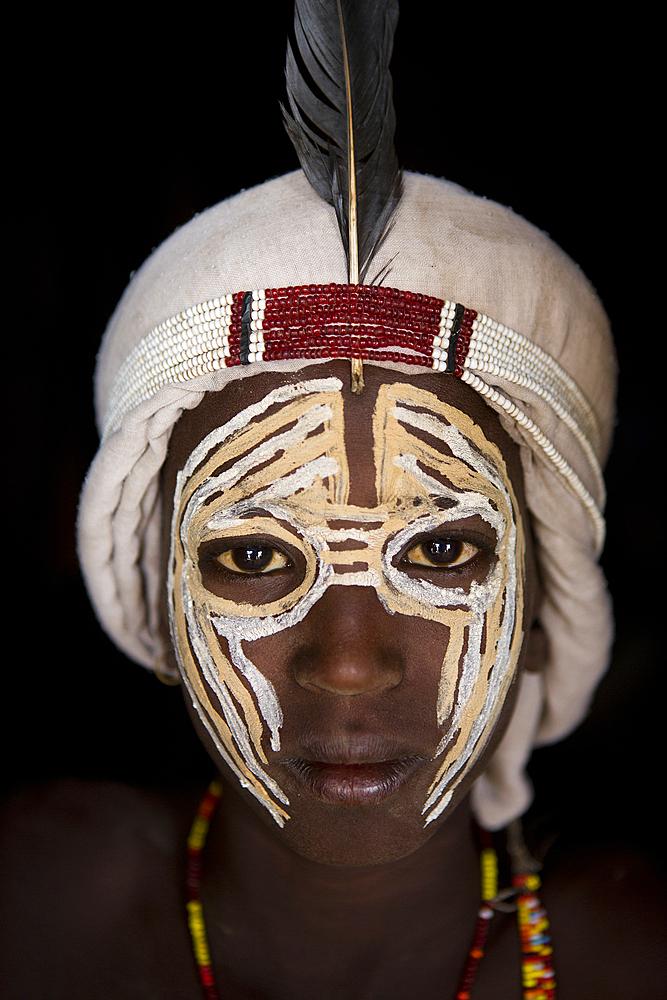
[[88, 868], [606, 906]]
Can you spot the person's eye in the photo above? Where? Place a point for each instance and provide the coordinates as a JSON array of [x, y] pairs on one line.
[[253, 558], [442, 553]]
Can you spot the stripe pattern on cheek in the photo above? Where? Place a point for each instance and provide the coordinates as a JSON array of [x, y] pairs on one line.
[[486, 623], [279, 470], [253, 461]]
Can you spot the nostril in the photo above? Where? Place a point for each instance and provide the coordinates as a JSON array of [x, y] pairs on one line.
[[348, 671], [344, 648]]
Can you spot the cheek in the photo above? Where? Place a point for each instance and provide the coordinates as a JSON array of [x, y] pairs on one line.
[[233, 701], [394, 660], [478, 674]]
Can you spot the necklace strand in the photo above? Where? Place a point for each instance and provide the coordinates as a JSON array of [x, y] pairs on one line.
[[536, 965]]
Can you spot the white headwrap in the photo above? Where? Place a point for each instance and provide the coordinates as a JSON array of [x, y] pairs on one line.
[[445, 243]]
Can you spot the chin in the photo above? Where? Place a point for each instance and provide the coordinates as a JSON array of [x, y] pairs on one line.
[[358, 835]]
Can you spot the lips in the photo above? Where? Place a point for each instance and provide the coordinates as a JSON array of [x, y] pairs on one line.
[[360, 772]]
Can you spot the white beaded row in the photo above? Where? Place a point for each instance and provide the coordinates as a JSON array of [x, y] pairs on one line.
[[191, 343], [547, 447], [499, 350], [441, 341], [498, 346], [196, 341]]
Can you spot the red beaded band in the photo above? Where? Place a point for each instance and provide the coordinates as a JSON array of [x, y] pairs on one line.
[[338, 321], [370, 323]]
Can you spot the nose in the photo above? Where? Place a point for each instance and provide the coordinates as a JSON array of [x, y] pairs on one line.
[[348, 648]]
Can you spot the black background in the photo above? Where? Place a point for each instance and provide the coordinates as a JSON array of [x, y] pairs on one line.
[[118, 134]]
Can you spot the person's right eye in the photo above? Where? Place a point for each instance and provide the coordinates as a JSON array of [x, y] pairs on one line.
[[253, 558]]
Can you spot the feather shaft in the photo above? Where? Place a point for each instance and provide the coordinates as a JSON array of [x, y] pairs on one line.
[[341, 121], [353, 243]]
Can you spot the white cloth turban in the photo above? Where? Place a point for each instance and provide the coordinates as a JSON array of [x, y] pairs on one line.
[[445, 243]]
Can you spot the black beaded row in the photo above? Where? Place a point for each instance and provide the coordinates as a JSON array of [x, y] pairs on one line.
[[408, 310]]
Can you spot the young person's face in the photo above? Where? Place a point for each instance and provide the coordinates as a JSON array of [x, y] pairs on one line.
[[350, 582]]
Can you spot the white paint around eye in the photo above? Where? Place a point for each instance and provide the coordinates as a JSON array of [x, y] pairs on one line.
[[263, 689], [276, 501], [480, 598]]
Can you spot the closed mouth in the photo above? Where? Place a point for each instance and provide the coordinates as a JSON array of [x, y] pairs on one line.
[[353, 783]]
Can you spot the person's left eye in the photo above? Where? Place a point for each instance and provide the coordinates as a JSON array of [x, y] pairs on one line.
[[253, 558], [442, 553]]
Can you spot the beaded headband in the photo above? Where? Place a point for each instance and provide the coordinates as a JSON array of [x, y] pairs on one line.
[[368, 322]]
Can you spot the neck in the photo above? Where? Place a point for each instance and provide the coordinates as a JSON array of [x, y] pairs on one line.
[[258, 889]]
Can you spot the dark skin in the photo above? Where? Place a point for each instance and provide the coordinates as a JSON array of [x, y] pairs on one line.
[[350, 901], [348, 669], [351, 670]]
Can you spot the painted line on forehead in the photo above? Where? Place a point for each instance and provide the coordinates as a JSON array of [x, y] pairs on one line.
[[290, 451], [467, 469], [268, 449], [282, 394], [465, 439], [297, 481], [459, 445]]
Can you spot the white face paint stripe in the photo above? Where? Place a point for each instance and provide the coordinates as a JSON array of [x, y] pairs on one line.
[[283, 394], [285, 475], [192, 624], [501, 593]]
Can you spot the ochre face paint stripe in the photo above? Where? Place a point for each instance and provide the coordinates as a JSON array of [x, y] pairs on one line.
[[250, 450], [479, 483], [218, 728], [477, 702], [216, 667], [283, 394]]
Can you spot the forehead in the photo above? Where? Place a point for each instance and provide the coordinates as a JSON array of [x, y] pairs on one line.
[[218, 408]]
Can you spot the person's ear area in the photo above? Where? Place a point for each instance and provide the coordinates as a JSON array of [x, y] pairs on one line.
[[536, 651]]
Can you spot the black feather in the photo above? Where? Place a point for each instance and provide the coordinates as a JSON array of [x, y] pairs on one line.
[[340, 61]]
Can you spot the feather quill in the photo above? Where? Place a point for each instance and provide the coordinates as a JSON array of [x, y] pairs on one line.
[[341, 119]]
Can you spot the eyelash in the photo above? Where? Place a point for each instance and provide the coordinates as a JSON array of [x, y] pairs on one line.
[[221, 560], [465, 553], [414, 558], [226, 559]]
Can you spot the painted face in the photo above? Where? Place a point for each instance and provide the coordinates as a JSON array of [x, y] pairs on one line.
[[264, 528]]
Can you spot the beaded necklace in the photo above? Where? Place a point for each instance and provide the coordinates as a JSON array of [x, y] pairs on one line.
[[536, 965]]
